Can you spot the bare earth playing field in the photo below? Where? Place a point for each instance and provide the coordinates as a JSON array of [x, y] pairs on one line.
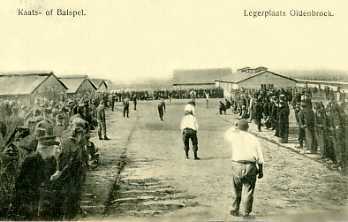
[[157, 183]]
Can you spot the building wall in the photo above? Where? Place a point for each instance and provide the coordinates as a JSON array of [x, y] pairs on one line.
[[51, 88], [194, 86], [86, 88], [102, 88], [267, 78]]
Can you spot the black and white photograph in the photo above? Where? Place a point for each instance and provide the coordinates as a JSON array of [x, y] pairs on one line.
[[173, 110]]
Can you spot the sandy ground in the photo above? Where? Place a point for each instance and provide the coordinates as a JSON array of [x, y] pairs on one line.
[[159, 184]]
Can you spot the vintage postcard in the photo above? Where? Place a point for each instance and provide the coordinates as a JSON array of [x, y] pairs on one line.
[[173, 110]]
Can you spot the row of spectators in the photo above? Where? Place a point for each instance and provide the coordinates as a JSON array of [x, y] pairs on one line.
[[44, 155], [167, 94], [321, 126]]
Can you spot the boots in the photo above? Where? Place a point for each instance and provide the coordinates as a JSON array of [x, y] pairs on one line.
[[186, 154], [195, 156]]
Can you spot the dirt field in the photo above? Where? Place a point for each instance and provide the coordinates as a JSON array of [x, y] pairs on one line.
[[157, 183]]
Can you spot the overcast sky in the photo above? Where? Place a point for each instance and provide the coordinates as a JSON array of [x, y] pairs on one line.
[[135, 39]]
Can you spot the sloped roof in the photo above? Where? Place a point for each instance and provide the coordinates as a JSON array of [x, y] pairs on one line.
[[199, 76], [74, 83], [98, 82], [22, 83], [238, 77]]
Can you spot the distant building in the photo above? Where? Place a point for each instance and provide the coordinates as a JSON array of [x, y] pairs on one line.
[[25, 87], [254, 78], [198, 78], [78, 85], [100, 85]]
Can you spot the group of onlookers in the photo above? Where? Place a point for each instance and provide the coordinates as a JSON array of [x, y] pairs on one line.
[[44, 156], [321, 124]]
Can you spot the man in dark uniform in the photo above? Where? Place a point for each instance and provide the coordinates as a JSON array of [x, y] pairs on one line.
[[283, 117], [161, 108], [321, 128], [309, 125], [345, 150], [33, 181], [274, 115], [113, 99], [71, 169], [101, 122], [337, 130], [126, 107], [258, 113], [222, 108], [135, 101], [299, 114]]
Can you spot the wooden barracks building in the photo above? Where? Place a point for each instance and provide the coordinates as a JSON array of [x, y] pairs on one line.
[[27, 86], [254, 78]]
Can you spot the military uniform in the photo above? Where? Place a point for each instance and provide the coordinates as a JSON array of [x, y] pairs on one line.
[[321, 128], [101, 123], [71, 166], [33, 179], [283, 117], [126, 108], [161, 109]]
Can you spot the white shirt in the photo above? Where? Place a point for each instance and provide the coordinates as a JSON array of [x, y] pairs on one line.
[[189, 121], [244, 146], [190, 108]]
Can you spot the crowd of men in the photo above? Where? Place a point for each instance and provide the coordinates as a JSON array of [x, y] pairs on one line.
[[166, 94], [322, 125], [45, 153]]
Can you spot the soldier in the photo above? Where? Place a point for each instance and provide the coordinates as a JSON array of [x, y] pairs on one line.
[[126, 107], [161, 108], [34, 176], [345, 151], [189, 128], [101, 122], [258, 113], [135, 102], [222, 108], [300, 118], [309, 126], [283, 117], [71, 169], [274, 115], [321, 129], [336, 127], [113, 99], [9, 164]]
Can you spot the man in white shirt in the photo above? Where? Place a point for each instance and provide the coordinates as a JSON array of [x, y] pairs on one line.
[[189, 128], [247, 159], [190, 107]]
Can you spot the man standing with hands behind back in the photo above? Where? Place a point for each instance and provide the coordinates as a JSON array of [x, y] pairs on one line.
[[247, 163]]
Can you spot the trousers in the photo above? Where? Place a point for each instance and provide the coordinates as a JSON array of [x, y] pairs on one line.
[[187, 135], [101, 129], [243, 186]]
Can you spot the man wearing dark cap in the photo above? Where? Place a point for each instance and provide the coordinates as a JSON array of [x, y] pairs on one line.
[[247, 163], [283, 119], [33, 182], [71, 169], [161, 108], [101, 122]]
